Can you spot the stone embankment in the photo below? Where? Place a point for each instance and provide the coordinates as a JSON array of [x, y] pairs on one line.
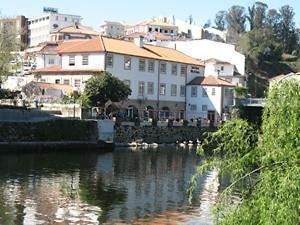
[[159, 135]]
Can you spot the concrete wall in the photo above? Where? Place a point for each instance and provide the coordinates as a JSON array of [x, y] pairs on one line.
[[17, 115]]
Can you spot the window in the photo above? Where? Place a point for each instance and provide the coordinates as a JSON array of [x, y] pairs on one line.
[[194, 92], [51, 61], [150, 88], [142, 64], [162, 89], [43, 80], [57, 81], [127, 63], [171, 31], [174, 69], [166, 31], [183, 69], [156, 29], [66, 19], [182, 90], [193, 107], [227, 91], [173, 89], [85, 60], [222, 68], [109, 60], [150, 29], [163, 67], [141, 88], [127, 82], [204, 107], [195, 69], [151, 65], [77, 83], [66, 81], [204, 92], [213, 91], [71, 60], [56, 17]]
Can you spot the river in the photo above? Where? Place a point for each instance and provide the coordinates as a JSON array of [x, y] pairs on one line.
[[127, 186]]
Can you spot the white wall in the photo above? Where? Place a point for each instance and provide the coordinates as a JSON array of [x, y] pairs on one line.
[[42, 61], [40, 27], [211, 69], [213, 102], [206, 49], [61, 77], [95, 61], [134, 75]]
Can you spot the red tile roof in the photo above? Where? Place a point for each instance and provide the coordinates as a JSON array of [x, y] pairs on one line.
[[81, 46], [210, 81], [59, 70], [105, 44]]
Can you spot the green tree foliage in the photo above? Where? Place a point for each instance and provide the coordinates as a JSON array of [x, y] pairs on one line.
[[287, 32], [257, 15], [236, 19], [105, 87], [263, 166], [220, 20], [7, 45]]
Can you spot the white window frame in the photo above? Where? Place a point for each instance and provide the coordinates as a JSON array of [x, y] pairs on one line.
[[163, 67], [194, 90], [127, 62], [85, 60], [151, 65], [162, 89], [174, 69], [141, 88], [182, 90], [193, 107], [204, 92], [183, 70], [109, 60], [71, 60], [173, 89], [150, 88], [142, 64]]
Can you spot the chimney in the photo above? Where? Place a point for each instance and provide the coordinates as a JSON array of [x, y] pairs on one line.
[[139, 41]]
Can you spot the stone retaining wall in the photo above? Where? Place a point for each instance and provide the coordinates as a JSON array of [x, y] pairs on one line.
[[158, 134]]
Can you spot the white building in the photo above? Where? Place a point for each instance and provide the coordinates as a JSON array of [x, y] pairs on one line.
[[207, 49], [185, 28], [153, 26], [209, 98], [156, 75], [40, 27], [113, 29]]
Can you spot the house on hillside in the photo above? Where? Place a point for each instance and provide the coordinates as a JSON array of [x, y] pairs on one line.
[[76, 31], [281, 78]]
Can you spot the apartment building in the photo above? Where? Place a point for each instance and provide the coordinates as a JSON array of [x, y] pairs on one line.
[[17, 27], [40, 27]]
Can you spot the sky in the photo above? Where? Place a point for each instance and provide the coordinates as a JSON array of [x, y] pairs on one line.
[[95, 12]]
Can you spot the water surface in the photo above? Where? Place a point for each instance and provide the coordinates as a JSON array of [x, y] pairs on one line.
[[127, 186]]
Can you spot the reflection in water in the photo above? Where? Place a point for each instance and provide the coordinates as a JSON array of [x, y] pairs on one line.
[[97, 188]]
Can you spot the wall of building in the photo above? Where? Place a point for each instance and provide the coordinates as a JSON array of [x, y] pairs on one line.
[[212, 68], [95, 61], [44, 61], [212, 102], [40, 27], [206, 49], [135, 76]]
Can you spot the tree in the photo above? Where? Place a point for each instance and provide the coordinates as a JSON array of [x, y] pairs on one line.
[[272, 21], [105, 87], [7, 45], [257, 15], [287, 32], [220, 20], [236, 19], [263, 166]]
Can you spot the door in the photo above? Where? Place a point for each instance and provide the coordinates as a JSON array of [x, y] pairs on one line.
[[211, 117]]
